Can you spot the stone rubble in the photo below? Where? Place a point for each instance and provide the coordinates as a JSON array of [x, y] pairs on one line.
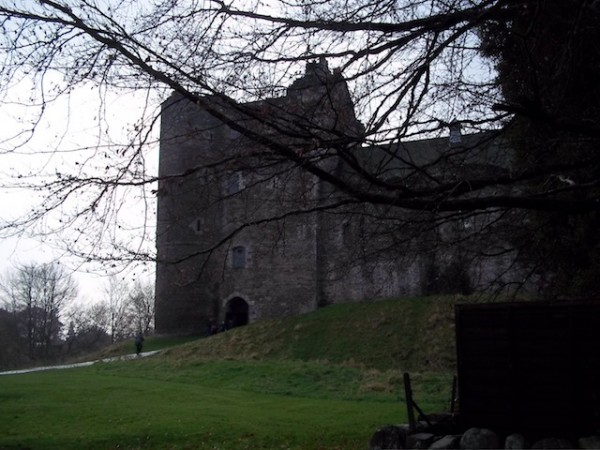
[[395, 437]]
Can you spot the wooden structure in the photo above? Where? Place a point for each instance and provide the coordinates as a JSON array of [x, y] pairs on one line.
[[531, 368]]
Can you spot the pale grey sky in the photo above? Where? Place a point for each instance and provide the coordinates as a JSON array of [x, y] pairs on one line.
[[72, 134]]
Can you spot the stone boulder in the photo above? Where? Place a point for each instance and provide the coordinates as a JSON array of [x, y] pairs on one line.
[[419, 440], [446, 443], [515, 441], [389, 437], [479, 438]]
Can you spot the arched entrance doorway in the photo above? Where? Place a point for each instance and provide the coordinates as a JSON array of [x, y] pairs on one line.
[[236, 312]]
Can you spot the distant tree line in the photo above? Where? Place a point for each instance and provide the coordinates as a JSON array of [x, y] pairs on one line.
[[41, 323]]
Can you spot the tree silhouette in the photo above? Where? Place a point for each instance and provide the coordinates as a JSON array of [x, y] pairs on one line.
[[36, 295], [412, 69]]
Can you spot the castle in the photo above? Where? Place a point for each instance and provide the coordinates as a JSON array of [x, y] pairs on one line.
[[244, 234]]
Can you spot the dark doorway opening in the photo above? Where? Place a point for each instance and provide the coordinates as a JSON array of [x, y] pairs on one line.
[[236, 312]]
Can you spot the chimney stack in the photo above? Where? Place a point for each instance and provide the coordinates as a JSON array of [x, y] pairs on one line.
[[455, 137]]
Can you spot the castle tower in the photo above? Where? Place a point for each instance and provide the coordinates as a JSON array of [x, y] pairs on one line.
[[221, 256]]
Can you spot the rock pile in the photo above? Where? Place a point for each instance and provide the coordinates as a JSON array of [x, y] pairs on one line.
[[440, 436]]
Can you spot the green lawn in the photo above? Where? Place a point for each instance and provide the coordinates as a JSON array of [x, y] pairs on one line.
[[216, 405], [324, 380]]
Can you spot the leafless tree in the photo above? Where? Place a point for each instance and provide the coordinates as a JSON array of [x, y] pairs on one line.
[[116, 311], [141, 305], [123, 311], [85, 332], [412, 68], [37, 295]]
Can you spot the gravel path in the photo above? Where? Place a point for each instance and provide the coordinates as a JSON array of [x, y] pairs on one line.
[[83, 364]]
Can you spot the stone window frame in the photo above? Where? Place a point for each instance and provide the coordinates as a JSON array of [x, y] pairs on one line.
[[238, 257], [234, 183], [197, 225]]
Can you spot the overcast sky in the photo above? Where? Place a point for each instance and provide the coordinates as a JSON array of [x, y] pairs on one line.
[[70, 125]]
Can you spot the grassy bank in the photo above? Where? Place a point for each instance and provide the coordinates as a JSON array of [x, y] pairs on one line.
[[407, 334], [325, 380]]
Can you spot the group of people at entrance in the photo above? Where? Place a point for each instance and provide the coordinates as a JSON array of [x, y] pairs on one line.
[[214, 329]]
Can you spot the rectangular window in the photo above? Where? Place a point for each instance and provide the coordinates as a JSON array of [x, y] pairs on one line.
[[234, 183], [238, 257]]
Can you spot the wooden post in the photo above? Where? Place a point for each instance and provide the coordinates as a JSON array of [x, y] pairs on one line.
[[409, 402], [453, 399]]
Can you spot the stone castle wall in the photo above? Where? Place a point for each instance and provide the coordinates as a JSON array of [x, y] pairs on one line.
[[215, 242], [241, 235]]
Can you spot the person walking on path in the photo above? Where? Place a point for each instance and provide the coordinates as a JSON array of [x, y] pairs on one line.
[[139, 342]]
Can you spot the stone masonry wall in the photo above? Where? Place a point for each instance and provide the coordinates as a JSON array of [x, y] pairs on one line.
[[237, 226]]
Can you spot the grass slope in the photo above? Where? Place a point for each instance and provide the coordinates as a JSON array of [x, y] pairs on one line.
[[407, 334], [325, 380], [87, 408]]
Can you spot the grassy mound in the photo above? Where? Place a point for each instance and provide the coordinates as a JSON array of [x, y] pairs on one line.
[[411, 334]]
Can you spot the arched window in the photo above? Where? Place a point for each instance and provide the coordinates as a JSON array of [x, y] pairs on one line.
[[238, 257]]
